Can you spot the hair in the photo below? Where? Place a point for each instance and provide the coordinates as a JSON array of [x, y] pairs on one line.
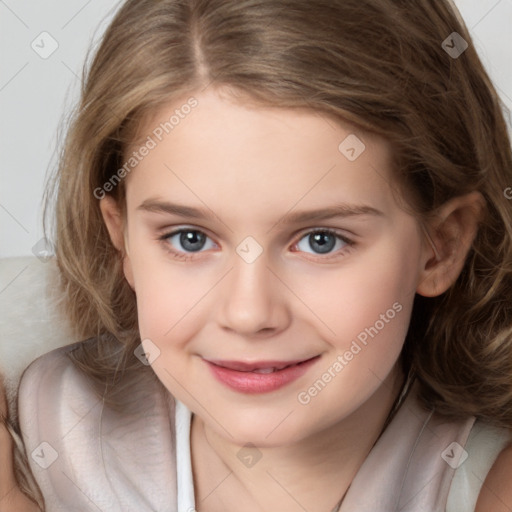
[[378, 64], [24, 478]]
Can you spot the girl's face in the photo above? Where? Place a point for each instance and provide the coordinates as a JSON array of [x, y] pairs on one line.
[[222, 253]]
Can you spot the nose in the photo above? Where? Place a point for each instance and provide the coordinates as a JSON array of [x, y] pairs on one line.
[[253, 300]]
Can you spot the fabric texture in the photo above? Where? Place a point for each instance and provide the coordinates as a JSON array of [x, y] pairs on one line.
[[483, 447], [31, 322], [86, 456]]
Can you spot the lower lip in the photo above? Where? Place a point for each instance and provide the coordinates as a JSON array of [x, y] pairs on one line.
[[250, 382]]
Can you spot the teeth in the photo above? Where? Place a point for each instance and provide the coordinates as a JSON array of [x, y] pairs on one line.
[[265, 370]]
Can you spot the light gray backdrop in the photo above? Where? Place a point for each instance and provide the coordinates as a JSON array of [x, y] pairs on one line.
[[43, 44]]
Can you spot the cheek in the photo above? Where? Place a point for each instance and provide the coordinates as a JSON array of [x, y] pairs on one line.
[[170, 295], [367, 308], [166, 302], [368, 299], [374, 282]]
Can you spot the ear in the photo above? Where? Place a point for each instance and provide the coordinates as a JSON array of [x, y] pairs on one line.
[[450, 234], [115, 224]]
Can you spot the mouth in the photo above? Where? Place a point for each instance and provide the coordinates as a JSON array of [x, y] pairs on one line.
[[259, 366], [259, 376]]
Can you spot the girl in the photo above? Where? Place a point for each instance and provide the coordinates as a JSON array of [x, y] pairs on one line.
[[284, 235]]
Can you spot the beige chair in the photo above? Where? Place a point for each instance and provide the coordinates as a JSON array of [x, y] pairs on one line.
[[30, 323]]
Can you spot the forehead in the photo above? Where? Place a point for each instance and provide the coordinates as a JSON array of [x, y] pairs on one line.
[[229, 152]]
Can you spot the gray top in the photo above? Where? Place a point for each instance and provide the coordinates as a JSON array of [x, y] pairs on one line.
[[86, 456]]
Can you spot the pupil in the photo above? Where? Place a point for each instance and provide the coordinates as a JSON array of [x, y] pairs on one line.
[[189, 238], [324, 242], [319, 239]]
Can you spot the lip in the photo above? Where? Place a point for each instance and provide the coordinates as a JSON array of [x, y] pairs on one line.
[[240, 377], [242, 366]]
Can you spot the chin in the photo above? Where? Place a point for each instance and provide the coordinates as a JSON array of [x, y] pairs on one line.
[[270, 432]]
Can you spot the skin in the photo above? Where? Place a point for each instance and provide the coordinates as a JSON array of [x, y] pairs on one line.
[[251, 167], [11, 497], [496, 493]]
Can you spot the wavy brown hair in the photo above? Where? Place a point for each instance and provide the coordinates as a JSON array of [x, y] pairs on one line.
[[378, 64]]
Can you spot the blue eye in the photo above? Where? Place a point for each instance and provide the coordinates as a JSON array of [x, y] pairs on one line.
[[322, 241], [191, 240]]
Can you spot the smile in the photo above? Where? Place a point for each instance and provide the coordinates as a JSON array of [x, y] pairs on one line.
[[259, 377]]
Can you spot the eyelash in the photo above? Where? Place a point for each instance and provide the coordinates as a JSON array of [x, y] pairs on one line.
[[183, 256]]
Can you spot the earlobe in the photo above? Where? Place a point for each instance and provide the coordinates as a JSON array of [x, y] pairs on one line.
[[450, 236]]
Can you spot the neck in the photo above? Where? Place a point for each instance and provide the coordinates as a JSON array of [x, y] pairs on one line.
[[279, 480]]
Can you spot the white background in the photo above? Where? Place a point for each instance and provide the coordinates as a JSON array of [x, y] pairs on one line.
[[36, 93]]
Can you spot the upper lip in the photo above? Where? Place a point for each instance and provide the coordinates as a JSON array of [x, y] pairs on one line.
[[255, 365]]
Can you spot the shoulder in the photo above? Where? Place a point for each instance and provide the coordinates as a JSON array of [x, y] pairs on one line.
[[483, 468], [53, 398], [54, 387], [79, 445], [47, 370], [496, 491], [52, 394], [48, 361], [45, 378]]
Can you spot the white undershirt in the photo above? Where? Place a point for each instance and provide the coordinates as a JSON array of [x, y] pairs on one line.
[[186, 500], [484, 445]]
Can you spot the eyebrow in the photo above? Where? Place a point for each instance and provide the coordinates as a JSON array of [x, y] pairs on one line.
[[336, 211]]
